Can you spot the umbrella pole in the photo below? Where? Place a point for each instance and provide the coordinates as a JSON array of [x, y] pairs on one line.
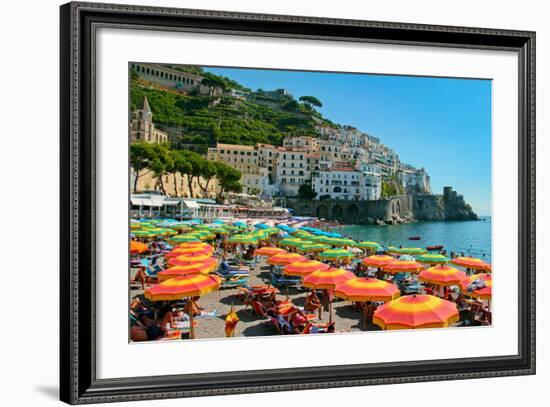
[[191, 325], [330, 312]]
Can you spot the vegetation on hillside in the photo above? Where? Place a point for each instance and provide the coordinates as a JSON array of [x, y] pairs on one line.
[[391, 187], [201, 120]]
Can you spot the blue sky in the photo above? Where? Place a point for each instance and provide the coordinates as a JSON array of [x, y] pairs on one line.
[[441, 124]]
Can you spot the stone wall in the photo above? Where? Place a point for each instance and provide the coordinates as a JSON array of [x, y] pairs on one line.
[[398, 209], [393, 210]]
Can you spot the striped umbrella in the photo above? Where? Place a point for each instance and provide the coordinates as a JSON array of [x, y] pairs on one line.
[[143, 233], [184, 239], [442, 276], [327, 279], [402, 266], [432, 259], [282, 259], [377, 260], [189, 259], [416, 311], [268, 251], [195, 245], [137, 247], [179, 271], [367, 289], [368, 245], [291, 241], [301, 268], [338, 241], [193, 285], [336, 254], [312, 247], [184, 251], [471, 263], [484, 293], [242, 239], [409, 250]]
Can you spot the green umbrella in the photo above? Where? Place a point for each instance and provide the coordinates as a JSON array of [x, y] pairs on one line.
[[410, 250], [432, 259], [142, 233], [368, 245], [243, 239], [313, 247], [335, 254], [291, 241], [184, 238]]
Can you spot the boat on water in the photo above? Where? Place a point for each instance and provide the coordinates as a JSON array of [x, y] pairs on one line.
[[414, 238], [434, 247]]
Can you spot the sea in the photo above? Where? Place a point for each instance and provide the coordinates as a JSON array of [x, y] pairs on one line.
[[473, 238]]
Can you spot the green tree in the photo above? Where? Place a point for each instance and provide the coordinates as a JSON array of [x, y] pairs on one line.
[[181, 166], [306, 192], [162, 164], [142, 156], [311, 101], [228, 178]]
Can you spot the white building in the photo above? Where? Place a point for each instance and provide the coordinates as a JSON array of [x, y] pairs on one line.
[[416, 181], [347, 183], [292, 171], [306, 143]]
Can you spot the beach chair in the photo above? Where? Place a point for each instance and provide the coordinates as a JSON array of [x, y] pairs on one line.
[[234, 281], [280, 280], [258, 308]]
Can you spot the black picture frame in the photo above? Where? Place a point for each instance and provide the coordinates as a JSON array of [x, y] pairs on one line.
[[78, 382]]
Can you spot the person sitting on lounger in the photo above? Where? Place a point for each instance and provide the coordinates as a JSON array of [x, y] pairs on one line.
[[313, 303]]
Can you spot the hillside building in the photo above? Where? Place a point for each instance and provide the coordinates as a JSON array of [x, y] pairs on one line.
[[142, 128]]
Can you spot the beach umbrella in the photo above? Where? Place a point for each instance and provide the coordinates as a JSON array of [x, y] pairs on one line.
[[268, 251], [366, 289], [291, 241], [368, 245], [335, 254], [416, 311], [243, 239], [179, 271], [195, 244], [203, 234], [183, 239], [377, 260], [261, 226], [239, 224], [442, 276], [218, 230], [327, 279], [312, 247], [471, 263], [410, 250], [183, 251], [282, 259], [469, 287], [402, 266], [189, 286], [432, 259], [301, 268], [190, 259], [272, 231], [143, 233], [338, 241], [137, 247], [193, 285]]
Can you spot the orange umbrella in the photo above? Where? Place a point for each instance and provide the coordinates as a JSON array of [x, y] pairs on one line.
[[283, 259], [484, 293], [184, 251], [366, 289], [192, 244], [377, 260], [442, 276], [193, 285], [402, 266], [179, 271], [471, 263], [268, 251], [327, 279], [301, 268], [416, 311], [137, 247], [186, 260]]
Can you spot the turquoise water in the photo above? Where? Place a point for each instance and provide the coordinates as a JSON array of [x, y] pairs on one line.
[[471, 237]]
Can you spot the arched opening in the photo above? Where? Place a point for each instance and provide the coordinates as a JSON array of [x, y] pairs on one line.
[[353, 211], [337, 189], [337, 212], [322, 211]]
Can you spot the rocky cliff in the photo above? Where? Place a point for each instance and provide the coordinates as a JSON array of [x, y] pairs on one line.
[[449, 206]]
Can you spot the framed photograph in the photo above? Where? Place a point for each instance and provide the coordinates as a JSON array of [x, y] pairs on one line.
[[255, 203]]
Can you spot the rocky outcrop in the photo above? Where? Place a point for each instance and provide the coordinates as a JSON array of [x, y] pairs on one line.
[[449, 206]]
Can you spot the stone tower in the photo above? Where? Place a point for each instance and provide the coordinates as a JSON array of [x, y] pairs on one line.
[[142, 127]]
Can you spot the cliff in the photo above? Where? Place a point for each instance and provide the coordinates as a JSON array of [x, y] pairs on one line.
[[449, 206]]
